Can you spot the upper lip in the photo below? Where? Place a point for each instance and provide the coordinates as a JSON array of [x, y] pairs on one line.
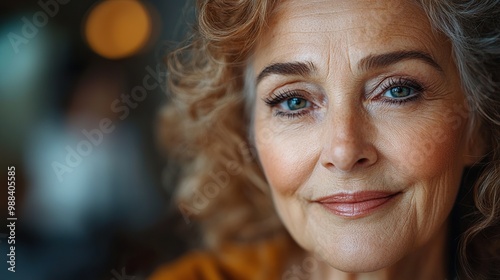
[[355, 197]]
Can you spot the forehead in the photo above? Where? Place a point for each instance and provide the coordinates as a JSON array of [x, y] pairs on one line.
[[311, 30]]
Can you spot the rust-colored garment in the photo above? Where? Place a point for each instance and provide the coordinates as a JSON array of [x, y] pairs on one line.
[[264, 260]]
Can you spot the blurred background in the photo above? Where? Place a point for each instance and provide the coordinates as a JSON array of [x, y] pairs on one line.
[[81, 85]]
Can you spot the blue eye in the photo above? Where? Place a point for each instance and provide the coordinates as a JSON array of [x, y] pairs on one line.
[[290, 104], [295, 103], [399, 92]]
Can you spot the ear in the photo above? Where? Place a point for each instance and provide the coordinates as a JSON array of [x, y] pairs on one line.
[[476, 144]]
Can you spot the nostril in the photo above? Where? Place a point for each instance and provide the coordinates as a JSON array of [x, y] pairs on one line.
[[362, 161]]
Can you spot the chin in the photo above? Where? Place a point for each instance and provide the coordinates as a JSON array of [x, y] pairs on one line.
[[361, 264], [359, 253]]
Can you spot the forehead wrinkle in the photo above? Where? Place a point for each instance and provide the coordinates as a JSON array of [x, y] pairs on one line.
[[397, 39], [280, 21]]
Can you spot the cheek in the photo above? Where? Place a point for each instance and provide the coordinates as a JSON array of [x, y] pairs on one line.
[[427, 156], [287, 158], [426, 148]]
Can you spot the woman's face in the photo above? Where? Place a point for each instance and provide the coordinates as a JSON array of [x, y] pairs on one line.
[[359, 124]]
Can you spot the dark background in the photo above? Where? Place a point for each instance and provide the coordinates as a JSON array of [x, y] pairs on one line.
[[108, 214]]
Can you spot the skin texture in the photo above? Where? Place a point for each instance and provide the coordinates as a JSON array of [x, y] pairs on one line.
[[350, 138]]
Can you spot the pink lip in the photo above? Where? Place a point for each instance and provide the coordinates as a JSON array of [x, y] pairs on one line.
[[357, 204]]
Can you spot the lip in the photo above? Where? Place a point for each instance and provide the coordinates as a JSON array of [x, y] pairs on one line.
[[356, 205]]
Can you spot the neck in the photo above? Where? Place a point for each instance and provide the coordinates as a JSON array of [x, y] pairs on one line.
[[427, 262]]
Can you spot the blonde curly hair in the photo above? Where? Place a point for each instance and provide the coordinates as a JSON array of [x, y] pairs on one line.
[[205, 125]]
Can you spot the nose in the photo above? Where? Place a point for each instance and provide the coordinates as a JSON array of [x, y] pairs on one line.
[[347, 143]]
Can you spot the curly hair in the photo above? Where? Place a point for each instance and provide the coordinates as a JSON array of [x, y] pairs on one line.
[[205, 124]]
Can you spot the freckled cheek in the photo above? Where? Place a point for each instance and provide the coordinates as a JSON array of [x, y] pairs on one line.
[[426, 150], [287, 160]]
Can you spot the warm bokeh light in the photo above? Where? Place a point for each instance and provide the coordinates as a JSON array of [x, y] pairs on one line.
[[118, 28]]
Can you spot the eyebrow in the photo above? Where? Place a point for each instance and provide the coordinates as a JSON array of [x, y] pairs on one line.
[[287, 68], [365, 64], [386, 59]]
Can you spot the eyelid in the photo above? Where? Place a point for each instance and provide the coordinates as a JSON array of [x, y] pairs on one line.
[[277, 98], [394, 81], [418, 88], [282, 95], [307, 90]]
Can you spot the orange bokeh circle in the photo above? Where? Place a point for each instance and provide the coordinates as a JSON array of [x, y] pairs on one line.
[[118, 28]]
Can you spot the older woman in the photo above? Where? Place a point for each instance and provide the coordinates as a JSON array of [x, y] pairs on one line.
[[367, 127]]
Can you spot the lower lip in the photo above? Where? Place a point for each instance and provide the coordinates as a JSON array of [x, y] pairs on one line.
[[358, 209]]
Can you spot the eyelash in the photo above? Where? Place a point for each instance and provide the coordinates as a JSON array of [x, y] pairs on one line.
[[400, 82], [281, 96]]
